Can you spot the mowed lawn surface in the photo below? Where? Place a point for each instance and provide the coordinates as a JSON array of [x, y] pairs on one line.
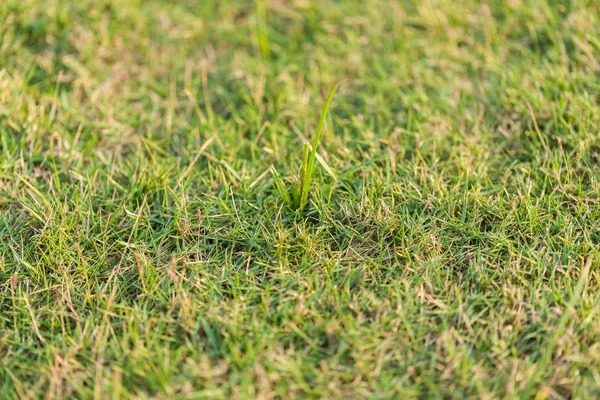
[[451, 251]]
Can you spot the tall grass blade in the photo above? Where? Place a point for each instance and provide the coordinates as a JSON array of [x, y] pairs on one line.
[[310, 163], [303, 172], [261, 29]]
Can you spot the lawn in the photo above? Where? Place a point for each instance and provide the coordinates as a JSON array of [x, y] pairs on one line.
[[448, 246]]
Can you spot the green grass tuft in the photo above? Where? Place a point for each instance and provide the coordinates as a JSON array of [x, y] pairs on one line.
[[300, 191]]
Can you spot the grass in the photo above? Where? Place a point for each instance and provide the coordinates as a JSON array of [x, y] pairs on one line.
[[300, 191], [449, 249]]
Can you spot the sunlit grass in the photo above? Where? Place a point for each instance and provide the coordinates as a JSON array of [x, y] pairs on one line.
[[177, 221], [296, 196]]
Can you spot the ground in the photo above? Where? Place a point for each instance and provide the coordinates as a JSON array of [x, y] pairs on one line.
[[448, 250]]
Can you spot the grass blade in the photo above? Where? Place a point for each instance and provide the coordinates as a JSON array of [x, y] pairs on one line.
[[263, 38], [327, 168], [307, 178], [281, 187], [303, 172]]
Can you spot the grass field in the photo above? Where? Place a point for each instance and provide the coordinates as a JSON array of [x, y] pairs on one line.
[[448, 248]]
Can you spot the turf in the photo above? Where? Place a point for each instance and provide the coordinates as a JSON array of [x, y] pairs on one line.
[[448, 250]]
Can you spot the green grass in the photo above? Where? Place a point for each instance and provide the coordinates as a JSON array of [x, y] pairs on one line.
[[448, 249], [297, 194]]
